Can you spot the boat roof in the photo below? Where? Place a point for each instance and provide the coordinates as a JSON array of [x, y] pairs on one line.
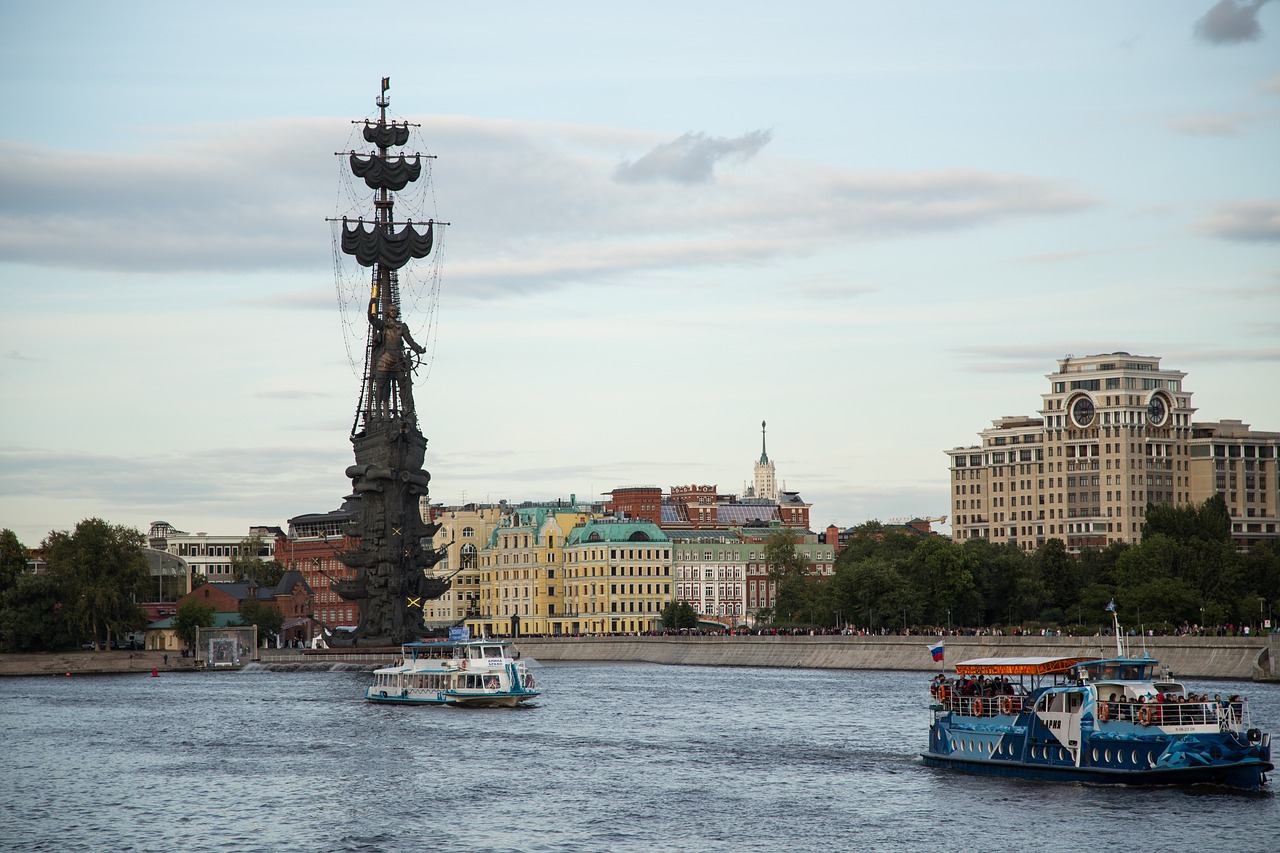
[[1019, 666], [432, 644]]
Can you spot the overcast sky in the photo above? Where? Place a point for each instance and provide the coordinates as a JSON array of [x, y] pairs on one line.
[[874, 225]]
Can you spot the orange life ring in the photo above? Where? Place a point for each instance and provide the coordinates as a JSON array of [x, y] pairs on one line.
[[975, 707], [1104, 711], [463, 664], [1144, 715], [1006, 705], [942, 693]]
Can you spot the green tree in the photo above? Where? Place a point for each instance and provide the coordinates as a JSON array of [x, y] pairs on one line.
[[679, 614], [13, 559], [255, 611], [788, 569], [940, 573], [103, 573], [248, 564], [999, 572], [191, 615], [1059, 574], [32, 617], [872, 592]]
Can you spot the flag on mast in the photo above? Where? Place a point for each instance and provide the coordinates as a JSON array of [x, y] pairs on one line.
[[937, 650], [1111, 607], [386, 84]]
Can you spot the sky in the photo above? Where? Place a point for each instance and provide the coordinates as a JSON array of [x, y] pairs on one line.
[[875, 226]]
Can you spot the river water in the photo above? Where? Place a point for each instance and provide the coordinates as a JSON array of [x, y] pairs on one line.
[[615, 757]]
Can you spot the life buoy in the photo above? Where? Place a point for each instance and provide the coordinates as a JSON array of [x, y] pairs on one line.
[[975, 707], [1006, 705], [463, 664], [1144, 715], [1104, 711], [942, 693], [528, 681]]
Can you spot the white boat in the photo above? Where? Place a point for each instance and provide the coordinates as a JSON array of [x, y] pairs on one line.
[[472, 673]]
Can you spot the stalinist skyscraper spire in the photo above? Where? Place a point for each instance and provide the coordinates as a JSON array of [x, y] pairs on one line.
[[766, 485]]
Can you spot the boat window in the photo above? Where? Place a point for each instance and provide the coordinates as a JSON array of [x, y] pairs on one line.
[[1074, 701], [1130, 673], [493, 651]]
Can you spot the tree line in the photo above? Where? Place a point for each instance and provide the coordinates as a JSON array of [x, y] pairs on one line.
[[1185, 573], [96, 576]]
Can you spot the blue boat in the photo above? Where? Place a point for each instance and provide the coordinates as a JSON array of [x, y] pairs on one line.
[[1111, 720], [462, 673]]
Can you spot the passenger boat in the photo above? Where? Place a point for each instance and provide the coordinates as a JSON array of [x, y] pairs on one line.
[[1088, 719], [471, 673]]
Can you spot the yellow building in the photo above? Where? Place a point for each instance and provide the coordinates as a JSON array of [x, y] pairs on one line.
[[617, 578], [522, 570], [463, 532]]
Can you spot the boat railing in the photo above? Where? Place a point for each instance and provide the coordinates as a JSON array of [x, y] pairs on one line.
[[979, 706], [1226, 715]]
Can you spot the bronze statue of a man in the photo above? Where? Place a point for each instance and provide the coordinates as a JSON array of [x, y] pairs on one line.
[[390, 361]]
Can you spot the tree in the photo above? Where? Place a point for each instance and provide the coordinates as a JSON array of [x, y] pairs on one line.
[[191, 615], [248, 564], [31, 616], [13, 559], [103, 573], [254, 611], [871, 592], [1059, 574], [679, 614], [937, 567], [789, 571]]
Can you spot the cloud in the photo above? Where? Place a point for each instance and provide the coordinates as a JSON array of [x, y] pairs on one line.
[[1230, 22], [691, 159], [265, 483], [1211, 125], [534, 206], [1244, 221], [1270, 86], [1058, 257]]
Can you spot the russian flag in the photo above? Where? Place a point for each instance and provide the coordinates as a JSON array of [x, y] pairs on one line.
[[936, 650]]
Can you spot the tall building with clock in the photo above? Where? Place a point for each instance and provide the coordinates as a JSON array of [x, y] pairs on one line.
[[1112, 433]]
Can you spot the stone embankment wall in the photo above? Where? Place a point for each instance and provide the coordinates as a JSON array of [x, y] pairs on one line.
[[1188, 657], [1241, 658]]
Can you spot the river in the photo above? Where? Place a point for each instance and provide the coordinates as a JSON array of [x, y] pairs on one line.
[[615, 757]]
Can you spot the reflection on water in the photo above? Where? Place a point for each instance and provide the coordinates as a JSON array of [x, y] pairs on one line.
[[635, 757]]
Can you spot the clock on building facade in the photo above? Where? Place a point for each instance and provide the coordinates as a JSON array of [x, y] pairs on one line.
[[1082, 411], [1157, 410]]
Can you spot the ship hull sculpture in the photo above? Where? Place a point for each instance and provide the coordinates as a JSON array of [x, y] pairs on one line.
[[388, 555]]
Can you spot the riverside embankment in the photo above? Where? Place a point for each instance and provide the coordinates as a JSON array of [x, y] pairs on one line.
[[1190, 657], [1239, 658]]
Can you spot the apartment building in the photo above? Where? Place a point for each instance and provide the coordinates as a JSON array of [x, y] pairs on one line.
[[617, 578], [522, 570], [1114, 431], [1239, 463], [210, 555]]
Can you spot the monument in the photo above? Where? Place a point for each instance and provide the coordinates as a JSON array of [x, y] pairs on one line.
[[391, 552]]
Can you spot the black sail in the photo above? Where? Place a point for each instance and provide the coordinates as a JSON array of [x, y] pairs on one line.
[[393, 173], [386, 135], [391, 249]]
